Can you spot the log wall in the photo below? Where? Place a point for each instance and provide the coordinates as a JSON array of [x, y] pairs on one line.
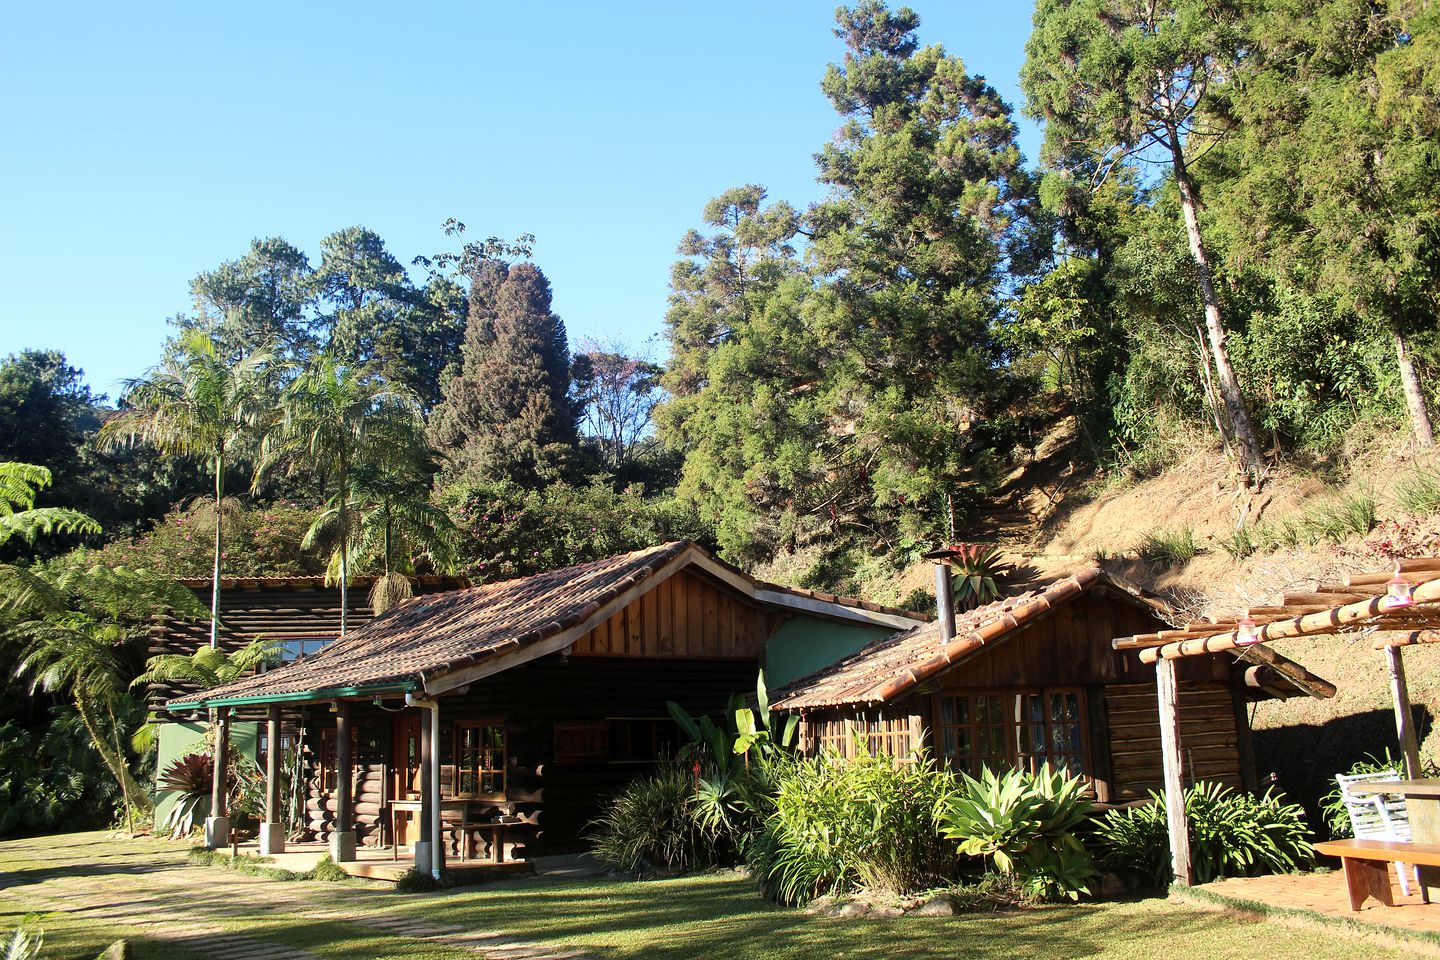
[[1209, 736], [557, 798]]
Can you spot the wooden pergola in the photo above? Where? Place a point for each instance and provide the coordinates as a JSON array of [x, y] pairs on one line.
[[1361, 604]]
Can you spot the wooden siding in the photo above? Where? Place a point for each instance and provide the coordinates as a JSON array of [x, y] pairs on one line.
[[687, 616], [1069, 648], [1209, 740]]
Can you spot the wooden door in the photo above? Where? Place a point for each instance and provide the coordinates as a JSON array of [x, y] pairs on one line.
[[405, 757]]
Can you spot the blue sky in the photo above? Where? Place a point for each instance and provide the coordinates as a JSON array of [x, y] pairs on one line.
[[147, 142]]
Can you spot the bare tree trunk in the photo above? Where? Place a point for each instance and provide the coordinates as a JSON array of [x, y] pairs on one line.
[[129, 788], [1414, 393], [1202, 357], [1251, 457]]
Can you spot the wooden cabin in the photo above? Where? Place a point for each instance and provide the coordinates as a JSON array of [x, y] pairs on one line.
[[525, 703], [1032, 679]]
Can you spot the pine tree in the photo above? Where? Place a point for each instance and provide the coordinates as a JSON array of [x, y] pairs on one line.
[[507, 412]]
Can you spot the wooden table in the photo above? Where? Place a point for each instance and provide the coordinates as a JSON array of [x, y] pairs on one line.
[[411, 808], [1422, 803]]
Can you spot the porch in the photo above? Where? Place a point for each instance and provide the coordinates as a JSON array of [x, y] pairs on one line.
[[380, 863], [1324, 893]]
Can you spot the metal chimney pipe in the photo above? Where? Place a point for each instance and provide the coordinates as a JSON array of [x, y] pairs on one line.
[[944, 601]]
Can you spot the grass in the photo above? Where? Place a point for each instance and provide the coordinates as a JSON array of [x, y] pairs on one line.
[[1171, 548], [1419, 492], [715, 915]]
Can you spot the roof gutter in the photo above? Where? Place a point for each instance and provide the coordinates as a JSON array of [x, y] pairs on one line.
[[331, 693]]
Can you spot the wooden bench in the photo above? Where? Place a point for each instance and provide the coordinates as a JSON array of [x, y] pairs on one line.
[[1366, 862]]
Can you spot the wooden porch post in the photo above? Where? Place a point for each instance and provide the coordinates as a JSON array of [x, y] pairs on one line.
[[1404, 718], [420, 825], [1168, 693], [272, 831], [342, 841], [217, 825]]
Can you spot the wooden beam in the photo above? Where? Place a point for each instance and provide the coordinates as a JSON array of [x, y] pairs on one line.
[[1307, 682], [1329, 621], [1167, 692], [1404, 720]]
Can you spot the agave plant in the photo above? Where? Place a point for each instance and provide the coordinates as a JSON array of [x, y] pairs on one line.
[[978, 570], [1025, 823], [24, 942]]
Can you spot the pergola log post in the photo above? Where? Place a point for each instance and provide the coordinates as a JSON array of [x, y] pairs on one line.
[[272, 831], [217, 825], [1168, 693], [342, 840], [1404, 720]]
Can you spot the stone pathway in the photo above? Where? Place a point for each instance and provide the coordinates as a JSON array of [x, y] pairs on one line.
[[171, 901]]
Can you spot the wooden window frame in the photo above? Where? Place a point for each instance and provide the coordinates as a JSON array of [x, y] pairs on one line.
[[502, 769], [655, 725], [886, 733], [1013, 729]]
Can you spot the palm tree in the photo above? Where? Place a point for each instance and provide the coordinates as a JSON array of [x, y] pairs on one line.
[[197, 404], [207, 667], [337, 421], [397, 524], [19, 517]]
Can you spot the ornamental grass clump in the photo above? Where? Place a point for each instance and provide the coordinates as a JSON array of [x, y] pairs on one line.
[[1025, 823], [867, 823], [649, 828], [1232, 834]]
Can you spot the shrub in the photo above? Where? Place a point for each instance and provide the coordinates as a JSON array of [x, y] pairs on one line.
[[1232, 834], [1026, 824], [1169, 548], [866, 823], [52, 780], [649, 827], [1419, 492]]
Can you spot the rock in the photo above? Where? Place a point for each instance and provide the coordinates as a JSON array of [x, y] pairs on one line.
[[853, 909], [1112, 886], [119, 950], [937, 906], [885, 910]]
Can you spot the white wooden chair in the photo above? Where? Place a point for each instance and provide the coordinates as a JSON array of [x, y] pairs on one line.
[[1379, 817]]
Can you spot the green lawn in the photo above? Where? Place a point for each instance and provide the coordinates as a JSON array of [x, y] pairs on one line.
[[711, 916]]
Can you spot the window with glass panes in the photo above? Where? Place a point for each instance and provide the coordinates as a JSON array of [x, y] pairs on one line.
[[1022, 729], [480, 759]]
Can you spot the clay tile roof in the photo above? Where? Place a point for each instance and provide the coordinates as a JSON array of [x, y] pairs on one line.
[[437, 632], [889, 667]]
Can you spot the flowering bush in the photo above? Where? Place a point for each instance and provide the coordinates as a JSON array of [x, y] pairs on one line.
[[261, 542]]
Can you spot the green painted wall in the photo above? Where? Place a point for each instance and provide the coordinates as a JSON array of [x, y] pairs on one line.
[[805, 644], [184, 737]]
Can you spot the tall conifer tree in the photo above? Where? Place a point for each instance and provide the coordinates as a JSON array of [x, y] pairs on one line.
[[508, 414]]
